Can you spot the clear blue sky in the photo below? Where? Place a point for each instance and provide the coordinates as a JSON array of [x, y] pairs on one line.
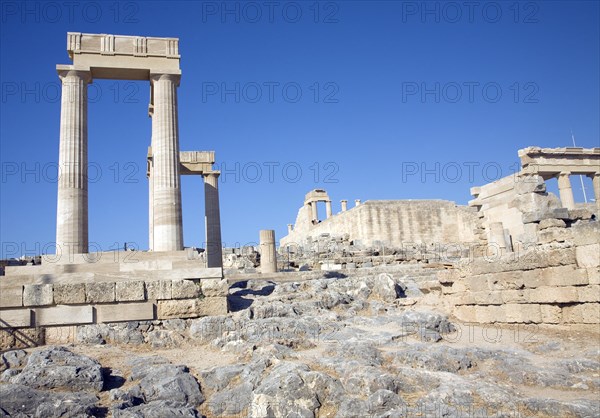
[[507, 75]]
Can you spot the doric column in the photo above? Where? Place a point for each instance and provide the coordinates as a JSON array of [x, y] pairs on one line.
[[166, 191], [315, 214], [72, 204], [328, 208], [344, 205], [268, 254], [565, 191], [596, 184], [357, 202], [290, 228], [150, 204], [212, 220]]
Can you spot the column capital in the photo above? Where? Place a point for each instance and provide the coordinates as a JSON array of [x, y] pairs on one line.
[[170, 76], [211, 174], [563, 174], [65, 71]]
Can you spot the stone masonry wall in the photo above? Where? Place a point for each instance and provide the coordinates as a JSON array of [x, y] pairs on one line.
[[555, 282], [59, 304]]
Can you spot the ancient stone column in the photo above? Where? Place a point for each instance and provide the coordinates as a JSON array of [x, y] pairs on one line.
[[212, 220], [315, 214], [344, 205], [166, 191], [357, 202], [268, 254], [72, 204], [565, 191], [328, 208], [150, 208], [596, 183], [290, 228]]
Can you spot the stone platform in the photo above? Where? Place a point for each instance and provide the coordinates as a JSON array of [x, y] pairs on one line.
[[111, 287]]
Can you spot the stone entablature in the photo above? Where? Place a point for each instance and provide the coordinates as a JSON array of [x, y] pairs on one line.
[[122, 56], [549, 162]]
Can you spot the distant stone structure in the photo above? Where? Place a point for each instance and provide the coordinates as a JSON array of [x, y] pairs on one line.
[[392, 222]]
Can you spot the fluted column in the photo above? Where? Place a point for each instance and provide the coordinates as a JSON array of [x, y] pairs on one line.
[[315, 214], [72, 204], [212, 220], [268, 253], [596, 185], [328, 208], [344, 205], [565, 191], [150, 208], [166, 191]]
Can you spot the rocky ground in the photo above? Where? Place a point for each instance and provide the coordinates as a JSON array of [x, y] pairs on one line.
[[332, 347]]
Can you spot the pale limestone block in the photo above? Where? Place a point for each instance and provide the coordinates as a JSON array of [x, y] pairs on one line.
[[555, 235], [185, 289], [563, 276], [588, 293], [214, 287], [593, 275], [551, 223], [522, 313], [37, 295], [125, 312], [584, 313], [588, 255], [191, 308], [586, 234], [15, 318], [465, 313], [213, 306], [130, 291], [550, 294], [69, 293], [159, 289], [488, 298], [64, 315], [101, 292], [489, 314], [551, 314], [514, 296], [477, 283], [60, 335], [11, 297]]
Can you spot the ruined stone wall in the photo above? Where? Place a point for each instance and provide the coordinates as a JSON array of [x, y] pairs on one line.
[[393, 222], [554, 282]]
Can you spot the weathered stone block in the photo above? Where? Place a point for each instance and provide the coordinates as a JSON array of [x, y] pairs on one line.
[[586, 233], [549, 294], [522, 313], [465, 313], [191, 308], [11, 297], [15, 318], [563, 276], [529, 260], [447, 276], [585, 313], [69, 293], [214, 287], [130, 291], [593, 275], [125, 312], [588, 255], [588, 293], [477, 283], [490, 314], [551, 223], [488, 297], [100, 292], [514, 296], [159, 289], [37, 295], [555, 235], [185, 289], [61, 335], [64, 315], [551, 314]]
